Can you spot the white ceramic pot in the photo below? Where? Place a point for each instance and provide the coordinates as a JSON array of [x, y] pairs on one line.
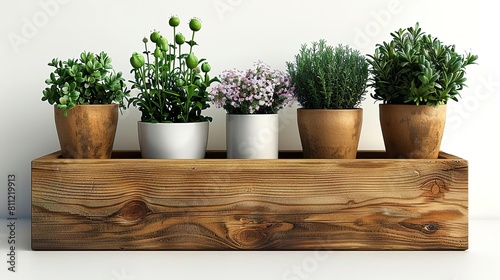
[[252, 136], [173, 140]]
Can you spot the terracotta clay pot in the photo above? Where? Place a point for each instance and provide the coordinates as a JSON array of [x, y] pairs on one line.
[[330, 133], [412, 131], [88, 131]]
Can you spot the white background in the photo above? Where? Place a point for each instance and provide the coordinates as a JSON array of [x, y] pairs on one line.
[[235, 34]]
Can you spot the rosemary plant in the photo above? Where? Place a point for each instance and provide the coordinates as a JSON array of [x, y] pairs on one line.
[[327, 77]]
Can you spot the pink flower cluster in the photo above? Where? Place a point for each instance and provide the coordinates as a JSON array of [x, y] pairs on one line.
[[254, 91]]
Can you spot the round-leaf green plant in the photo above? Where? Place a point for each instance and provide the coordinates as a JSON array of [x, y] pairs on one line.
[[416, 68], [172, 83], [327, 77], [87, 80]]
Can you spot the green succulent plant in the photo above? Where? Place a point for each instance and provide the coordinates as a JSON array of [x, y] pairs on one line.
[[327, 77], [416, 68], [87, 80], [172, 84]]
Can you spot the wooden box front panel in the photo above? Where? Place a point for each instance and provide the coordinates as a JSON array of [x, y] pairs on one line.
[[128, 203]]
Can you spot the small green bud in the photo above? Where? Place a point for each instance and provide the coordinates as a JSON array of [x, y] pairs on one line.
[[162, 43], [174, 21], [191, 61], [205, 67], [158, 53], [179, 82], [137, 60], [145, 40], [179, 39], [155, 36], [195, 24]]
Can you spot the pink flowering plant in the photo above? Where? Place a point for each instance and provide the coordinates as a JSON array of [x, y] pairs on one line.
[[254, 91]]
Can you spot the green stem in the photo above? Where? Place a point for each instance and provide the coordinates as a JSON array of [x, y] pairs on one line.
[[146, 52], [173, 66], [192, 43], [186, 108], [160, 98], [157, 73], [180, 60], [143, 76]]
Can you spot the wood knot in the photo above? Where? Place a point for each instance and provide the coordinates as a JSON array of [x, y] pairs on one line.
[[249, 237], [134, 210], [427, 228], [434, 189], [249, 233], [430, 228]]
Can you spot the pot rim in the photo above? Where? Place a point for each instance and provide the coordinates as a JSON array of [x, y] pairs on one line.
[[415, 105], [253, 115], [90, 105], [175, 124], [348, 109]]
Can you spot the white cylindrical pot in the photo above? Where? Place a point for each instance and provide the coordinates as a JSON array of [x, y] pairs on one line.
[[173, 140], [252, 136]]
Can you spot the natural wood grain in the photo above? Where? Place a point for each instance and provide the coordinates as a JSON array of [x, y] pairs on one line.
[[128, 203]]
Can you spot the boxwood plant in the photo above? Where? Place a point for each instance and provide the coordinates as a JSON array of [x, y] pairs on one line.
[[416, 68]]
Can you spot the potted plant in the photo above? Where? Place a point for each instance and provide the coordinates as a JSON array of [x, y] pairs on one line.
[[86, 94], [172, 93], [415, 69], [252, 99], [330, 83]]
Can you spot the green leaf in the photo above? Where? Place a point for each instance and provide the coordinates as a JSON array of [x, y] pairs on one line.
[[191, 43]]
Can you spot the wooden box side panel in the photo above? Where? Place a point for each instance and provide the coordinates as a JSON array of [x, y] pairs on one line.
[[258, 205]]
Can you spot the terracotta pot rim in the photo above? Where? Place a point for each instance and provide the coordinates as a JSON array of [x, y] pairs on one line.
[[93, 105], [413, 105]]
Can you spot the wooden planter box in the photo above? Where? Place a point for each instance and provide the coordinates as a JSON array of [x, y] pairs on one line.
[[129, 203]]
